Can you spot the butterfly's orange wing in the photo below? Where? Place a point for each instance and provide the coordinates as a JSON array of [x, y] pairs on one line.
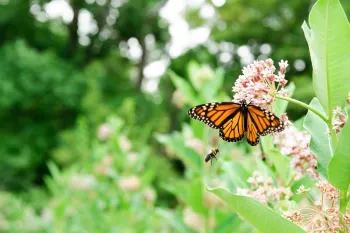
[[261, 122], [233, 130], [214, 115], [253, 137]]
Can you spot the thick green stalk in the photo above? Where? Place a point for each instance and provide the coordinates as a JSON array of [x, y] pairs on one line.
[[333, 135], [334, 139], [294, 101], [343, 203]]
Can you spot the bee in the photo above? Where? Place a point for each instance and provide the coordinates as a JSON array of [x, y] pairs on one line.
[[212, 155]]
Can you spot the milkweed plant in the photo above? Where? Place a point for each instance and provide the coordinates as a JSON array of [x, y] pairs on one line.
[[302, 182]]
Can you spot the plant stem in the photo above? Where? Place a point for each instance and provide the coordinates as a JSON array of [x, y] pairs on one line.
[[207, 220], [294, 101], [333, 135], [334, 139], [343, 203]]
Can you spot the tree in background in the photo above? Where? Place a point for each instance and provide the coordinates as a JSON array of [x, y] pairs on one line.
[[46, 66]]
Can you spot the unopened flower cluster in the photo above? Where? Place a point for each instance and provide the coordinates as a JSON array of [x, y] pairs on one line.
[[324, 215], [339, 120], [259, 84], [262, 189], [295, 144]]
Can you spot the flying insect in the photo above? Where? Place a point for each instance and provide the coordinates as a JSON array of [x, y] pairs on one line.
[[212, 155]]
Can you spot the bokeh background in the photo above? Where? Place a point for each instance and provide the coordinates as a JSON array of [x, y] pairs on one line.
[[93, 101]]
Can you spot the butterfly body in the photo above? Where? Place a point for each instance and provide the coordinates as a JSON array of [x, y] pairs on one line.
[[237, 119]]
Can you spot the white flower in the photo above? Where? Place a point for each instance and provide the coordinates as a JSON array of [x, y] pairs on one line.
[[124, 143], [104, 132], [129, 183]]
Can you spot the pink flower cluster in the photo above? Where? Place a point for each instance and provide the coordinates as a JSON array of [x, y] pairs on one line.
[[259, 84], [295, 144], [328, 190], [262, 189], [104, 168], [324, 215]]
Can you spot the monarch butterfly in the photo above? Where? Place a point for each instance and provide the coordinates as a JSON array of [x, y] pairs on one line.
[[234, 119], [211, 155]]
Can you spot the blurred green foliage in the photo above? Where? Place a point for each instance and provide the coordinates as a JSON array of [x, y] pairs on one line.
[[77, 122], [38, 98]]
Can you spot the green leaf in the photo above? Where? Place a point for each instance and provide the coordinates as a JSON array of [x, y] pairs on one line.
[[261, 217], [198, 129], [184, 87], [267, 143], [299, 124], [281, 105], [187, 155], [281, 163], [174, 220], [237, 174], [194, 193], [211, 88], [339, 166], [226, 225], [200, 75], [192, 70], [319, 144], [232, 223], [265, 169], [189, 193], [329, 46]]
